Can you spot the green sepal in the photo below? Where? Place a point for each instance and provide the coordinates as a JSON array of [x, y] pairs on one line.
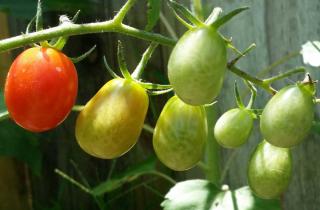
[[122, 63], [224, 19], [109, 69], [83, 56], [238, 98], [153, 86], [180, 9], [159, 92]]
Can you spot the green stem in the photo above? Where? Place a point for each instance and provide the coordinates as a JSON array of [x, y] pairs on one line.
[[4, 115], [73, 181], [212, 157], [148, 128], [162, 175], [123, 11], [227, 166], [278, 62], [284, 75], [252, 79], [77, 29], [168, 26]]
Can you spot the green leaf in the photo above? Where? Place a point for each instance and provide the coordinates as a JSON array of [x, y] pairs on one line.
[[316, 127], [203, 195], [129, 175], [153, 14], [311, 53]]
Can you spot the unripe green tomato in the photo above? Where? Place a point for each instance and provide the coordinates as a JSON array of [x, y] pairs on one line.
[[197, 65], [287, 118], [180, 134], [270, 170], [111, 122], [233, 128]]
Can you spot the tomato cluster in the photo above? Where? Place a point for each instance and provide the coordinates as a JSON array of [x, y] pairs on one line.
[[285, 122], [41, 89]]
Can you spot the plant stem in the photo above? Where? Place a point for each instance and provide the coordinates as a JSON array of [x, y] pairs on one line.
[[162, 175], [73, 181], [77, 29], [284, 75], [252, 79], [212, 156], [123, 11], [279, 62], [4, 115]]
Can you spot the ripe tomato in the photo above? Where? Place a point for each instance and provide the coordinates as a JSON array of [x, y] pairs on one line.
[[180, 134], [287, 118], [197, 65], [111, 122], [233, 128], [270, 170], [41, 88]]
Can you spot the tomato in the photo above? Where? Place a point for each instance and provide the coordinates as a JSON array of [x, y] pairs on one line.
[[41, 88], [111, 122], [287, 118], [180, 134], [270, 170], [197, 66], [233, 128]]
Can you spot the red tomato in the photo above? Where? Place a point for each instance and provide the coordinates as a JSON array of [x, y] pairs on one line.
[[41, 88]]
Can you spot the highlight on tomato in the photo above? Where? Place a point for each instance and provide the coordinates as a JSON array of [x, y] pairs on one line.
[[41, 88], [180, 134]]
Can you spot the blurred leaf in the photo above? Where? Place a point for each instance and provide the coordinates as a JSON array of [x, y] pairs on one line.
[[18, 143], [316, 127], [153, 14], [311, 53], [131, 174], [27, 8], [203, 195]]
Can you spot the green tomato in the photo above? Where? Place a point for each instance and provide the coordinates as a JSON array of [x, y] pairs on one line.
[[233, 128], [270, 170], [180, 134], [197, 66], [287, 118], [111, 122]]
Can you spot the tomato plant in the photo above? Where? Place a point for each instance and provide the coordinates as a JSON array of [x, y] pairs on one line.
[[288, 116], [180, 134], [111, 122], [197, 65], [269, 170], [41, 88]]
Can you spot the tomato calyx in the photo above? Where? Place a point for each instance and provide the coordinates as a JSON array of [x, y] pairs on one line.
[[57, 43], [151, 88], [308, 84]]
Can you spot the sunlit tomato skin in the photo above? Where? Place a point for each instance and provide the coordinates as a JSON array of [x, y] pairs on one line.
[[41, 88], [287, 118], [233, 128], [111, 122], [180, 134], [197, 66], [270, 170]]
